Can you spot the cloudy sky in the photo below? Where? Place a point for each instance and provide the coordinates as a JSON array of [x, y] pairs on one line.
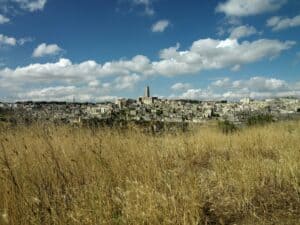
[[98, 50]]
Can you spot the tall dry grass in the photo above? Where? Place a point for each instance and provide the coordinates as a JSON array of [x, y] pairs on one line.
[[64, 175]]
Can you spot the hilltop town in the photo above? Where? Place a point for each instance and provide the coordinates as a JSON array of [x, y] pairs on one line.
[[148, 108]]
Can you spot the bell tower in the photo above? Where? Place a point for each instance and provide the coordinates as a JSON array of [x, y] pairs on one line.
[[147, 92]]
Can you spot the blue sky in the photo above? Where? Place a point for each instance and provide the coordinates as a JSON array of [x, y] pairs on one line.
[[99, 50]]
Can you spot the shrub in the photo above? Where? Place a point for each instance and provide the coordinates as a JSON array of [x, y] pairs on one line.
[[260, 119], [227, 127]]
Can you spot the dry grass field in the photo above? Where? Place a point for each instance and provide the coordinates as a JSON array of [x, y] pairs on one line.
[[66, 175]]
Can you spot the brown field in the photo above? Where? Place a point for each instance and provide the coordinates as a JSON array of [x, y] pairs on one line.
[[64, 175]]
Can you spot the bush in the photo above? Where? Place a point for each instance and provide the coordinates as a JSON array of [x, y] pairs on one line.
[[227, 127], [260, 119]]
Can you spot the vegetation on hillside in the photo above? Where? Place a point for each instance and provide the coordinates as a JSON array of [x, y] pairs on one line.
[[260, 119], [66, 175]]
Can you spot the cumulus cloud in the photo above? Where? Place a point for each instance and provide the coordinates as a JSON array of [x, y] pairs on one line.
[[241, 8], [278, 23], [222, 83], [12, 41], [160, 26], [66, 71], [261, 84], [200, 94], [181, 86], [50, 92], [64, 93], [5, 40], [256, 83], [68, 93], [242, 31], [46, 50], [257, 87], [204, 54], [94, 79], [3, 19], [88, 75], [208, 54], [126, 82]]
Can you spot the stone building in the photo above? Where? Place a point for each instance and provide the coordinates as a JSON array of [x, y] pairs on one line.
[[147, 99]]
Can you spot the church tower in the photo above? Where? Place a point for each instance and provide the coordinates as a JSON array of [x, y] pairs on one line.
[[147, 92]]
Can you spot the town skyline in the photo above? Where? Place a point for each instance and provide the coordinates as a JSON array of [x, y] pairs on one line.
[[148, 96]]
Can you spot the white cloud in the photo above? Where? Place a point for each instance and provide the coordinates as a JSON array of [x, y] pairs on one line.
[[261, 84], [83, 81], [208, 54], [242, 31], [31, 5], [93, 79], [64, 93], [94, 83], [67, 72], [12, 41], [222, 83], [249, 7], [50, 92], [256, 83], [3, 19], [45, 50], [138, 64], [259, 95], [255, 87], [279, 23], [5, 40], [160, 26], [88, 75], [228, 22], [126, 82], [200, 94], [204, 54], [168, 53], [181, 86]]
